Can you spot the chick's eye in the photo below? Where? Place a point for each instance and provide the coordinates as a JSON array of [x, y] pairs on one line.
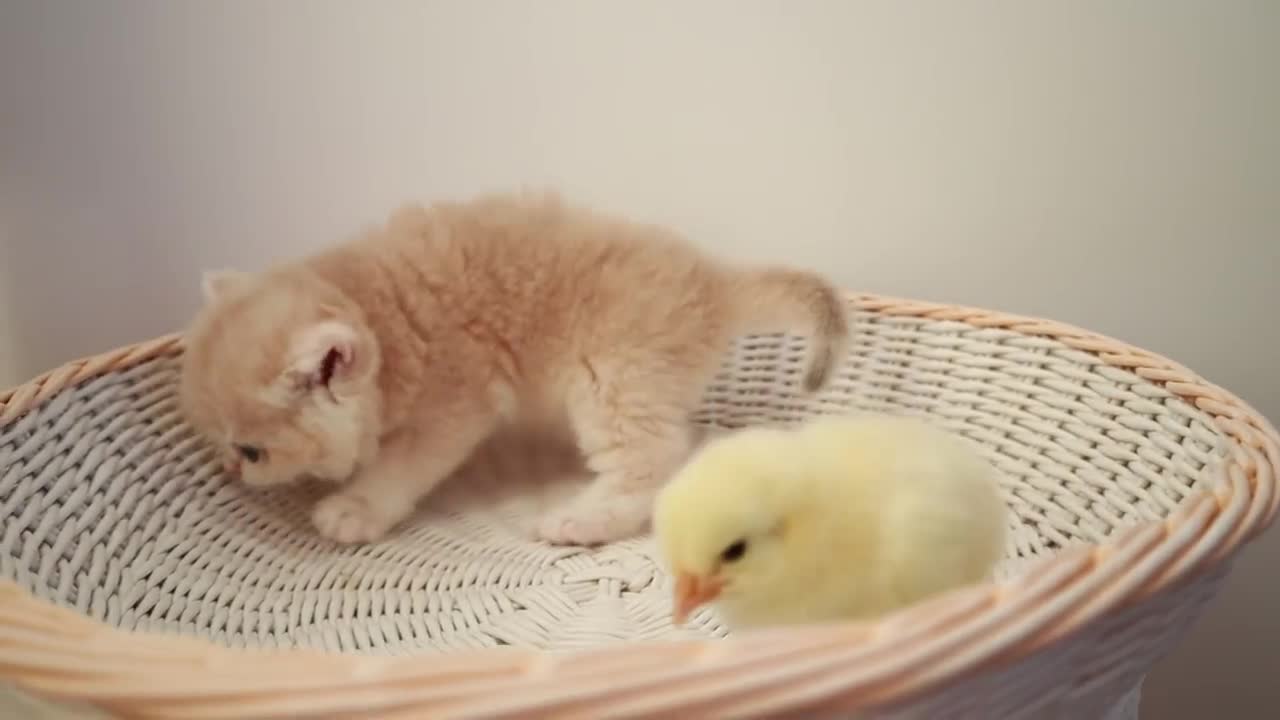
[[249, 453], [734, 551]]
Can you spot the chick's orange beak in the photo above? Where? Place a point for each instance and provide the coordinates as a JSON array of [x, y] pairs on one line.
[[692, 592]]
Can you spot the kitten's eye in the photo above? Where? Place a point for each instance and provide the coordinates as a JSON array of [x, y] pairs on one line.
[[250, 453], [734, 552]]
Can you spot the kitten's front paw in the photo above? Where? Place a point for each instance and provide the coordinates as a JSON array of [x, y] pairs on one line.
[[348, 519], [593, 521]]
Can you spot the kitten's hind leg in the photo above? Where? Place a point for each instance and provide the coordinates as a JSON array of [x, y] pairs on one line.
[[633, 430]]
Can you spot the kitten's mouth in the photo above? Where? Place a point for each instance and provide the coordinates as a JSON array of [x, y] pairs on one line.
[[314, 479], [269, 482]]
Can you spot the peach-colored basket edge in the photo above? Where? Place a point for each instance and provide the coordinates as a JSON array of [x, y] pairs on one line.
[[62, 655]]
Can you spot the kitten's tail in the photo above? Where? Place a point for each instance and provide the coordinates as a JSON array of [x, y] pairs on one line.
[[780, 300]]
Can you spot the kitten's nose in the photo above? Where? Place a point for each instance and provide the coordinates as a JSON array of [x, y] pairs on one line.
[[231, 466]]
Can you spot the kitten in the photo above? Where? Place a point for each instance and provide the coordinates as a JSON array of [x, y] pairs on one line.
[[382, 363]]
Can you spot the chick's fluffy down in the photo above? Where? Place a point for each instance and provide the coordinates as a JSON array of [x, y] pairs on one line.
[[844, 517]]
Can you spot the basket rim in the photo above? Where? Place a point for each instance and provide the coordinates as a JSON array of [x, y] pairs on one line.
[[58, 653]]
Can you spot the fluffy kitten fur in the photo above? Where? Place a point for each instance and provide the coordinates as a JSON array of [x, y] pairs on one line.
[[382, 363]]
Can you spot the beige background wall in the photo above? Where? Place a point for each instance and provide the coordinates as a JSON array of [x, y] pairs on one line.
[[1114, 165]]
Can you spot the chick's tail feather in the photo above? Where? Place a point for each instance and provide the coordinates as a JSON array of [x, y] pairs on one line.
[[784, 300]]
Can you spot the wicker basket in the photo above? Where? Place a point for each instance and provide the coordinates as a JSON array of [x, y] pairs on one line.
[[137, 581]]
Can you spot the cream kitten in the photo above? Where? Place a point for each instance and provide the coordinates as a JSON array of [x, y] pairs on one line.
[[382, 363]]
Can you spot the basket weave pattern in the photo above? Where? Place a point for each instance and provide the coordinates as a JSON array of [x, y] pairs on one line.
[[1131, 481]]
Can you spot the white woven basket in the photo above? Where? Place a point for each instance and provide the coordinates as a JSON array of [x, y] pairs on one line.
[[137, 581]]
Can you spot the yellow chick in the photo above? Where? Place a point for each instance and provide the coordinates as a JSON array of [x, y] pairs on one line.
[[840, 518]]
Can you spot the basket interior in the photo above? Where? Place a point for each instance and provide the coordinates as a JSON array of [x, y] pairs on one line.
[[111, 506]]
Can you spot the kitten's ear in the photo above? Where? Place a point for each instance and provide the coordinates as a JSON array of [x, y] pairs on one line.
[[217, 283], [321, 354]]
